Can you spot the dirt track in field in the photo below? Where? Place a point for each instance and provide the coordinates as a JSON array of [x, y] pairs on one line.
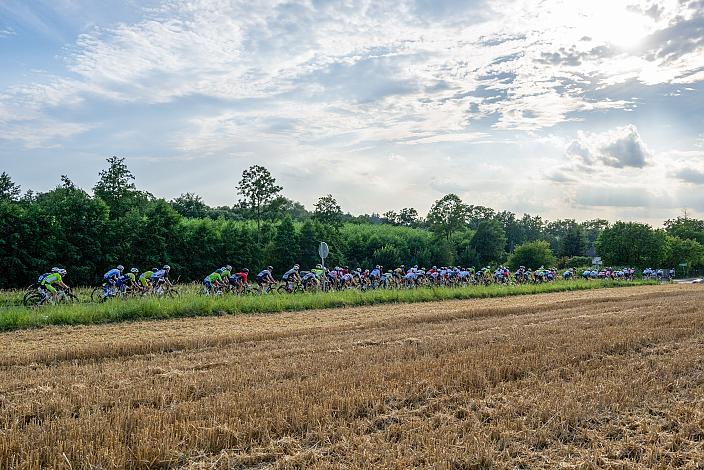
[[590, 379]]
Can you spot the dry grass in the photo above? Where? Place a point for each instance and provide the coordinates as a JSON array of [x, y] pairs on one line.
[[593, 379]]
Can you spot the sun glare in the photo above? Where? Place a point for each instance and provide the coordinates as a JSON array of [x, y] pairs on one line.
[[615, 24]]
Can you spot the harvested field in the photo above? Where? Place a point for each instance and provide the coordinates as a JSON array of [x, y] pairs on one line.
[[588, 379]]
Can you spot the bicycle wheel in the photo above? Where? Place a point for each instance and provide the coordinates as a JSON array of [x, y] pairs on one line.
[[96, 295], [33, 299]]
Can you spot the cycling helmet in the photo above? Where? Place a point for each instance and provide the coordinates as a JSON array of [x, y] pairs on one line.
[[134, 270], [228, 267], [62, 272], [120, 267], [55, 269], [269, 268], [245, 270], [296, 267], [166, 267], [318, 266]]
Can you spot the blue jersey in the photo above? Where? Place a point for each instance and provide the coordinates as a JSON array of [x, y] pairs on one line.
[[263, 274], [160, 274], [112, 274]]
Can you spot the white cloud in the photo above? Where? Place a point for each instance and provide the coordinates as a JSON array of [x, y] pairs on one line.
[[619, 148]]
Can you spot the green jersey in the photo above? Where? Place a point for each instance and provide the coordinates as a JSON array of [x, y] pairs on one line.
[[53, 278], [318, 272], [146, 275], [215, 277]]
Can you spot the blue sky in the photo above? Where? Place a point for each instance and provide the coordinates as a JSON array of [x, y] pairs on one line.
[[558, 108]]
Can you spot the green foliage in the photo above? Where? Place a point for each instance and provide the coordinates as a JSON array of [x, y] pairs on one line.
[[578, 262], [191, 205], [285, 246], [328, 211], [631, 244], [116, 187], [258, 189], [680, 250], [573, 241], [532, 255], [488, 242], [686, 228], [447, 215], [9, 191]]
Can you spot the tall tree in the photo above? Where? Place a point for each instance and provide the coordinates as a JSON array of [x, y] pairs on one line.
[[9, 191], [489, 241], [116, 187], [408, 217], [328, 211], [258, 188], [447, 215]]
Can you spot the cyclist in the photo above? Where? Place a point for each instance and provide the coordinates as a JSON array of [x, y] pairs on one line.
[[318, 271], [225, 273], [265, 279], [291, 276], [239, 280], [128, 280], [145, 279], [55, 278], [110, 280], [308, 278], [161, 275], [213, 281]]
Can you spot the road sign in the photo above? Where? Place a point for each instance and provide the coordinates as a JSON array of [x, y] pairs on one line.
[[684, 265], [323, 250]]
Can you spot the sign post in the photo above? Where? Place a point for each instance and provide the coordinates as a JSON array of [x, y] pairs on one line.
[[323, 251]]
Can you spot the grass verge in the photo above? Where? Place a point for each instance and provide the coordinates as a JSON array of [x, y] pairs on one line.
[[192, 305]]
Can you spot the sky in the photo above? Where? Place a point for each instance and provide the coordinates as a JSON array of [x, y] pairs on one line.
[[562, 109]]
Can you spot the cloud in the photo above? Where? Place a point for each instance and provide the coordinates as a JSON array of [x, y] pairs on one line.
[[619, 148], [691, 175], [6, 32], [631, 196]]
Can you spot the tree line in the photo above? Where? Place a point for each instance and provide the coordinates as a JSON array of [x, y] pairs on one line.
[[120, 223]]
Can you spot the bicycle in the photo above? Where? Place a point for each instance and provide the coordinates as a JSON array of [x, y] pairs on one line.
[[36, 298]]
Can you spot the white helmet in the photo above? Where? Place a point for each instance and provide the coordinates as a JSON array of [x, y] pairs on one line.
[[134, 270], [55, 269], [62, 272], [166, 267], [120, 267]]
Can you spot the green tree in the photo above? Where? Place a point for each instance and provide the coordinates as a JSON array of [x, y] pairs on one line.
[[285, 246], [573, 241], [680, 250], [489, 241], [190, 205], [686, 228], [116, 187], [327, 211], [308, 243], [631, 244], [532, 255], [447, 215], [9, 191], [258, 189]]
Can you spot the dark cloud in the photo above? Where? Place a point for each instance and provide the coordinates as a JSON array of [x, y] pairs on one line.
[[691, 175], [620, 148], [626, 151], [681, 37]]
